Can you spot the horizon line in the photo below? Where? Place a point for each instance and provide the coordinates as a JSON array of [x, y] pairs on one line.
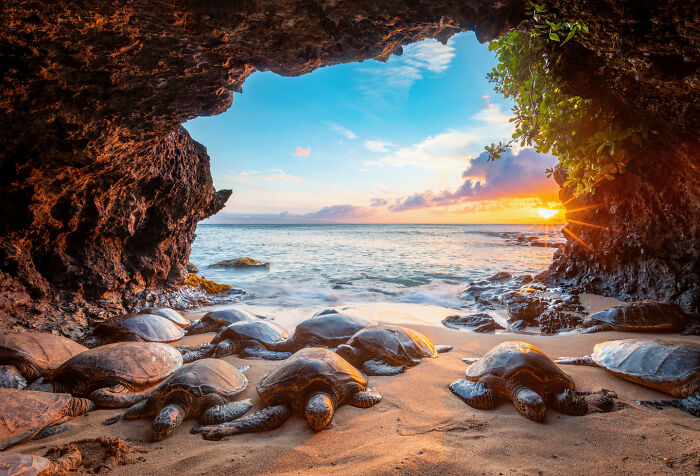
[[362, 223]]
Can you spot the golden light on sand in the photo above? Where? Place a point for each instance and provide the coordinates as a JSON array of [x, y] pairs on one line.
[[546, 213]]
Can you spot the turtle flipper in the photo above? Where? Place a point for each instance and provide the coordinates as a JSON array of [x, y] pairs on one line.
[[377, 367], [597, 328], [118, 396], [586, 360], [689, 404], [10, 377], [365, 399], [169, 418], [443, 348], [226, 412], [190, 353], [569, 403], [51, 430], [69, 460], [263, 420], [144, 408], [258, 351], [475, 394], [529, 403], [78, 406], [470, 360]]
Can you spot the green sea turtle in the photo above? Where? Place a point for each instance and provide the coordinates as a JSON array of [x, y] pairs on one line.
[[388, 350], [523, 374], [642, 316], [212, 321], [26, 357], [115, 375], [170, 314], [669, 366], [15, 464], [314, 381], [204, 389], [325, 330], [135, 328], [25, 414], [246, 338]]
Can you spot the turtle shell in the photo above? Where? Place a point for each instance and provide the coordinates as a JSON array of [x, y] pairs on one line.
[[669, 366], [308, 370], [25, 412], [205, 377], [138, 363], [228, 316], [393, 343], [328, 329], [520, 361], [15, 464], [46, 352], [260, 331], [170, 314], [643, 316], [149, 327]]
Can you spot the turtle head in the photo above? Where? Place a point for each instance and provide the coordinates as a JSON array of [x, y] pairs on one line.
[[319, 411], [167, 420], [224, 348], [349, 353]]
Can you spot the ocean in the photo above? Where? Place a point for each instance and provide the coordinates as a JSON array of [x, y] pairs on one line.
[[323, 265]]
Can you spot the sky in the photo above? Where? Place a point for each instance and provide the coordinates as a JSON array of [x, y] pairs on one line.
[[373, 142]]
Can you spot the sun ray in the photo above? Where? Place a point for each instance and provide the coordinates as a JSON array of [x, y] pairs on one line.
[[593, 226], [589, 207], [573, 235]]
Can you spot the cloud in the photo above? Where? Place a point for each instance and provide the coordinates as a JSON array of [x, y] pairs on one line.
[[378, 145], [340, 130], [379, 202], [330, 214], [514, 175], [279, 174], [302, 152]]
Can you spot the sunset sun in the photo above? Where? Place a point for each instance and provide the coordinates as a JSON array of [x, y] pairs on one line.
[[546, 213]]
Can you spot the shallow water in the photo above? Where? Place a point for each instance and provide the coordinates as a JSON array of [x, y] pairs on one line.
[[322, 265]]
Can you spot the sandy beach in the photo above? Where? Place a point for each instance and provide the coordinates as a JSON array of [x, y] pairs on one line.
[[420, 427]]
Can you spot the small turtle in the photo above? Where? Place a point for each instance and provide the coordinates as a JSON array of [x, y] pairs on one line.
[[203, 389], [26, 414], [523, 374], [28, 356], [325, 330], [168, 313], [212, 321], [314, 381], [135, 328], [387, 350], [246, 338], [642, 316], [669, 366], [15, 464], [115, 375]]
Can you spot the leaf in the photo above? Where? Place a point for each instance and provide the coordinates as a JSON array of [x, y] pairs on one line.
[[493, 45], [553, 36], [568, 37]]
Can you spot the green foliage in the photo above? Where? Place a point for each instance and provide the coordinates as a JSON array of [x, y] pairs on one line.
[[583, 134]]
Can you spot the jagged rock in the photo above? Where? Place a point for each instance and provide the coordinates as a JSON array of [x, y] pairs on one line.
[[500, 276], [480, 322], [523, 306], [552, 321], [207, 285], [191, 268], [241, 263]]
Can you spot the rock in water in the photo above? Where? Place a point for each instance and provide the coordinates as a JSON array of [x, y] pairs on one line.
[[523, 305], [241, 263], [552, 321], [480, 322]]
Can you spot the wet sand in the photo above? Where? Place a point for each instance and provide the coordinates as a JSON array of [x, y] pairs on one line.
[[420, 427]]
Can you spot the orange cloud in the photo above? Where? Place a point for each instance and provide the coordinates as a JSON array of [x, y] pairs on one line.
[[303, 152]]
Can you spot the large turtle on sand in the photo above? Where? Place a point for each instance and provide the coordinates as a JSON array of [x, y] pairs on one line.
[[325, 330], [214, 320], [203, 389], [135, 328], [25, 414], [642, 316], [170, 314], [26, 357], [246, 338], [15, 464], [115, 375], [388, 350], [314, 381], [523, 374], [669, 366]]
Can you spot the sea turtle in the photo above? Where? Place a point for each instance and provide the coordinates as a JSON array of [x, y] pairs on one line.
[[523, 374], [168, 313], [136, 328], [642, 316], [212, 321], [115, 375], [387, 350], [203, 389], [25, 414], [325, 330], [30, 355], [669, 366], [15, 464], [314, 381], [246, 338]]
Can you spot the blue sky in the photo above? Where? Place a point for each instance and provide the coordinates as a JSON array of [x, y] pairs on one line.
[[353, 142]]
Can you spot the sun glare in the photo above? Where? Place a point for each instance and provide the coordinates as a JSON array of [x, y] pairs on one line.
[[546, 214]]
